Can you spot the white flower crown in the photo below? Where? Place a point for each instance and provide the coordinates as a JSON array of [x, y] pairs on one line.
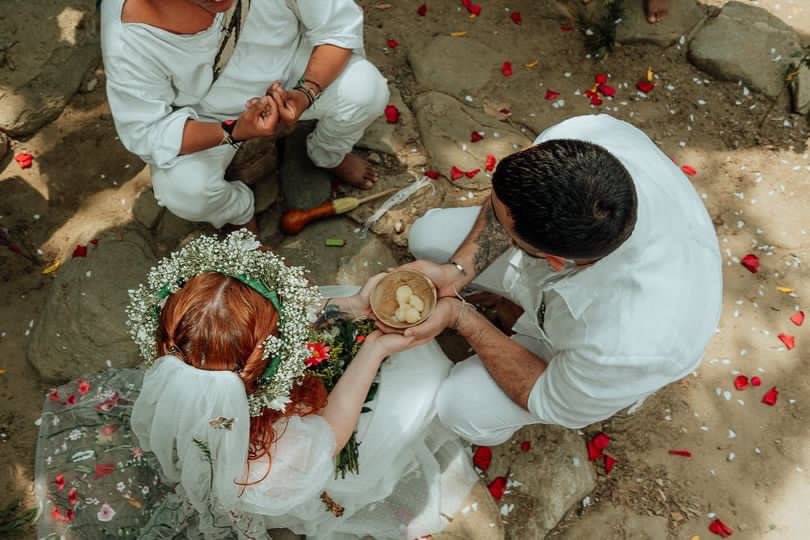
[[237, 256]]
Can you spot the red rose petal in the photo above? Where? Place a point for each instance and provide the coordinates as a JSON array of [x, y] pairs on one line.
[[392, 43], [596, 445], [80, 251], [421, 10], [609, 462], [751, 263], [596, 100], [525, 446], [606, 90], [433, 175], [788, 340], [391, 114], [83, 387], [53, 395], [475, 136], [472, 173], [551, 95], [24, 159], [770, 397], [497, 488], [720, 529], [688, 170], [506, 69], [516, 17], [71, 400], [645, 86], [73, 497], [59, 480], [104, 469], [601, 78], [489, 165], [567, 27], [474, 9], [682, 453], [740, 382], [797, 318], [482, 458], [755, 381], [455, 173]]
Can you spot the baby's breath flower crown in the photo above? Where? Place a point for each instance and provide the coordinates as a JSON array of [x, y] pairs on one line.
[[237, 256]]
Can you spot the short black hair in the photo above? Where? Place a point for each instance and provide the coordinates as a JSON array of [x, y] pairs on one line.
[[568, 198]]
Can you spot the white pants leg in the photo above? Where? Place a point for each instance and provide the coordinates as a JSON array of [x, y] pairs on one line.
[[470, 402], [194, 188], [345, 109]]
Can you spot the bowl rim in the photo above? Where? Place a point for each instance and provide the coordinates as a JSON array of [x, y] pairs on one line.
[[404, 325]]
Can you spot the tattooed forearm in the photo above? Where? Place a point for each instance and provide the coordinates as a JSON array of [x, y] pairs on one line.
[[491, 242]]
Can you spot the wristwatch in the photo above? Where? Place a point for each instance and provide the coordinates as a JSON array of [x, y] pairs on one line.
[[227, 128]]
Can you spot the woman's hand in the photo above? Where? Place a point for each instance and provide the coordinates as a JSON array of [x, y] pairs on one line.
[[385, 345], [359, 305], [260, 119]]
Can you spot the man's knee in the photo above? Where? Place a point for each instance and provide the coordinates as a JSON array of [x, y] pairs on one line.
[[460, 418], [369, 91], [186, 197], [422, 240]]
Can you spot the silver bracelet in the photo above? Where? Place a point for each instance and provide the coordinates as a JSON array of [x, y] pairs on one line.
[[458, 267]]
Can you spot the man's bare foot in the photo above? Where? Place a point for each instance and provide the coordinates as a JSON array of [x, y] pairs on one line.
[[356, 172], [656, 10]]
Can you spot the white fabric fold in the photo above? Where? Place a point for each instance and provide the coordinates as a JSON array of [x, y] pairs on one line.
[[197, 423]]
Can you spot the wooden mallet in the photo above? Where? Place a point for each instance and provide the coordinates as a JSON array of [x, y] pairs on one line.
[[294, 221]]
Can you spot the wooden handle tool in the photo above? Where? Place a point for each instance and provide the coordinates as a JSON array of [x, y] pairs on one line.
[[294, 221]]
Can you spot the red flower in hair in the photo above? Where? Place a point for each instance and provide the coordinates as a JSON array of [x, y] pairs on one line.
[[318, 353]]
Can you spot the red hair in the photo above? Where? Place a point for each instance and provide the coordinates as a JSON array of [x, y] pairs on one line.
[[218, 323]]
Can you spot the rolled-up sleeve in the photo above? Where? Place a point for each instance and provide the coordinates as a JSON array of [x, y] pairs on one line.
[[575, 392], [140, 99], [332, 22]]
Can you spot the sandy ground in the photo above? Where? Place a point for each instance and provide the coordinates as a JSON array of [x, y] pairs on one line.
[[749, 463]]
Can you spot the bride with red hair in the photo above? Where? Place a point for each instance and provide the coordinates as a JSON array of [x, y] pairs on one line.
[[229, 434]]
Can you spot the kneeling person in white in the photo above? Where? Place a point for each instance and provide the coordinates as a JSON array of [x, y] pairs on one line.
[[602, 241], [180, 72]]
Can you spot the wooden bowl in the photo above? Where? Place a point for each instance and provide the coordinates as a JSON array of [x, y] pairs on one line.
[[384, 297]]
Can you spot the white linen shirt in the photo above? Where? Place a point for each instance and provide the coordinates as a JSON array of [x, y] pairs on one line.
[[157, 80], [639, 318]]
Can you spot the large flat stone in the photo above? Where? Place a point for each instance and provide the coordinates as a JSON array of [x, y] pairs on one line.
[[746, 43], [617, 522], [478, 519], [303, 185], [146, 209], [446, 125], [554, 476], [400, 139], [455, 66], [55, 43], [82, 327], [683, 16]]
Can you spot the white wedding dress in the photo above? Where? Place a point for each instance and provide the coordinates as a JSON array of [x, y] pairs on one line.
[[172, 475]]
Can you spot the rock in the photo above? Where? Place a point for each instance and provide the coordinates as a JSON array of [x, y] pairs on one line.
[[683, 16], [555, 475], [617, 522], [45, 67], [400, 139], [82, 327], [799, 87], [737, 45], [266, 192], [481, 523], [172, 230], [455, 66], [303, 185], [446, 125], [373, 257], [5, 146], [146, 209], [254, 162]]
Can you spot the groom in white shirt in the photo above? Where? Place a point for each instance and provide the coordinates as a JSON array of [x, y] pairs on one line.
[[188, 81], [602, 241]]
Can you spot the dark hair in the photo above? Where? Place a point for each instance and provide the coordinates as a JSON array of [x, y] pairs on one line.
[[568, 198]]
